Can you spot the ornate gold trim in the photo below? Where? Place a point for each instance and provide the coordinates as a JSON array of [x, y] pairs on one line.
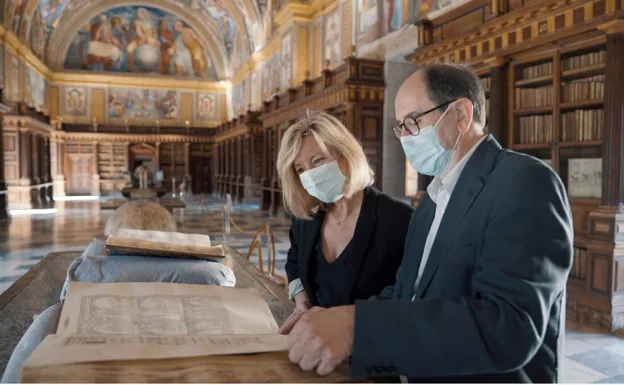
[[95, 79], [127, 138]]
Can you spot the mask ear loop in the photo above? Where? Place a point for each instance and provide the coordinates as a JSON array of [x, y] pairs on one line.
[[459, 135]]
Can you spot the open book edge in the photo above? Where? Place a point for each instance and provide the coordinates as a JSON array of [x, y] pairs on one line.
[[72, 349]]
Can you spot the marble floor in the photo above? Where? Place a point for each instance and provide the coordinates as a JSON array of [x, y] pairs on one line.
[[590, 357]]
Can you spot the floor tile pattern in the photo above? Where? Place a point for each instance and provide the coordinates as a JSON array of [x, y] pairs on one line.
[[24, 240]]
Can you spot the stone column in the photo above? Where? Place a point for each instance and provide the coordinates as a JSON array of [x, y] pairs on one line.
[[498, 100], [601, 303], [393, 161], [3, 188]]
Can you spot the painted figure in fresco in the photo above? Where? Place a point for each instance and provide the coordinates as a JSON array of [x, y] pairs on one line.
[[166, 38], [52, 11], [104, 48], [205, 107], [188, 54], [19, 11], [145, 35], [395, 15]]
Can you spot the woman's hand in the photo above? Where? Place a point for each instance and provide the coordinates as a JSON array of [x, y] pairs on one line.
[[302, 303]]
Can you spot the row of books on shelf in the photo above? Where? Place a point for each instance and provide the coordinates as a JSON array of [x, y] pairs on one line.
[[582, 61], [535, 129], [584, 177], [589, 88], [534, 97], [582, 125], [579, 263], [539, 70]]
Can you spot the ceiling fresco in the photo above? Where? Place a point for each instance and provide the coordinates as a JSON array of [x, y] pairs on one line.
[[107, 39]]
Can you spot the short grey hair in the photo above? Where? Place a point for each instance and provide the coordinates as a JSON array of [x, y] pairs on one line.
[[446, 82]]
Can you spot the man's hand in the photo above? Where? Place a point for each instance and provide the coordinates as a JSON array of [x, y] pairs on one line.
[[320, 338]]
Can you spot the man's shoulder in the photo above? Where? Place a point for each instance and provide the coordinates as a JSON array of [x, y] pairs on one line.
[[388, 204], [516, 174], [512, 164]]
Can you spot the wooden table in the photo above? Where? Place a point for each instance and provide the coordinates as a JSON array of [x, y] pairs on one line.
[[41, 287]]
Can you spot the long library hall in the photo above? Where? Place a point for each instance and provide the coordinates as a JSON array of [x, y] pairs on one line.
[[291, 191]]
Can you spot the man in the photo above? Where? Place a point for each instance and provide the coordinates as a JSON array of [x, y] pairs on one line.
[[479, 296]]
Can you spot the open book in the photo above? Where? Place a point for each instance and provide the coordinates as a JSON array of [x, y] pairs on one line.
[[162, 243]]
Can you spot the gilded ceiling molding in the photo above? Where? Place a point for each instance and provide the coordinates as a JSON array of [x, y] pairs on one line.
[[105, 80], [25, 123], [127, 138], [23, 52], [77, 13]]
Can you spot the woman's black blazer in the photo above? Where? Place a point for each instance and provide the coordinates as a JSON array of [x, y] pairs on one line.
[[378, 242]]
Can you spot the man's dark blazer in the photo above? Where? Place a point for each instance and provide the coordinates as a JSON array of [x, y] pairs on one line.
[[378, 245], [490, 304]]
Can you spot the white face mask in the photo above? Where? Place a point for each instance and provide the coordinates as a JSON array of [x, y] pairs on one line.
[[325, 182]]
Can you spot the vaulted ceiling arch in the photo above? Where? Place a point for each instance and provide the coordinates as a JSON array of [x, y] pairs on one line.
[[76, 14]]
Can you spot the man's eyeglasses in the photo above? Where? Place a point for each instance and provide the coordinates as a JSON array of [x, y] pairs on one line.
[[410, 123]]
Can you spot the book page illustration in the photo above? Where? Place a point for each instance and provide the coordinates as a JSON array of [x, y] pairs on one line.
[[163, 309]]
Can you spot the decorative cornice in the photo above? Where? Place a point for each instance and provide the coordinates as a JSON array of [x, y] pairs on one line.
[[323, 100], [132, 80], [25, 123], [128, 138], [612, 27], [543, 22]]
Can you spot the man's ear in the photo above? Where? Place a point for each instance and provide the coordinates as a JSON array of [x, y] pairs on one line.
[[465, 111]]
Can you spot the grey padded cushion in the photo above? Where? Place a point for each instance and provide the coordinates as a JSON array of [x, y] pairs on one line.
[[44, 324], [94, 265]]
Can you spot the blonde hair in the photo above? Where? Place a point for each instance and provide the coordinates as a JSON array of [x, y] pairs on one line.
[[330, 134]]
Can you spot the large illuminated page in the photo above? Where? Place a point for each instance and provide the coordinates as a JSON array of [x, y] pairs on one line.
[[163, 309]]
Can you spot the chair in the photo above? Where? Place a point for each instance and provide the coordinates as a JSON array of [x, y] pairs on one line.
[[256, 243]]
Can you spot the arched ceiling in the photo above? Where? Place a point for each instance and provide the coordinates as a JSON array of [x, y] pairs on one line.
[[82, 34]]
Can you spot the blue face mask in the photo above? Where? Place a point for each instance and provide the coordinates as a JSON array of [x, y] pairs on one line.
[[425, 153], [326, 182]]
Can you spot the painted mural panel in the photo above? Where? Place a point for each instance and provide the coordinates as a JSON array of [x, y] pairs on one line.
[[206, 106], [14, 11], [15, 78], [270, 76], [75, 101], [134, 104], [140, 40], [35, 90], [2, 68], [286, 61], [369, 20], [51, 11], [37, 39], [332, 38], [215, 10]]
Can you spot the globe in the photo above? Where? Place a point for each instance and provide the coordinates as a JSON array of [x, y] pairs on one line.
[[140, 215], [147, 58]]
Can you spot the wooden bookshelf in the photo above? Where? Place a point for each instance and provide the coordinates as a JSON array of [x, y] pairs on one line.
[[111, 161], [562, 123], [563, 99]]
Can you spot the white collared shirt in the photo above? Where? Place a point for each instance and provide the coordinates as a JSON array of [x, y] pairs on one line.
[[440, 190]]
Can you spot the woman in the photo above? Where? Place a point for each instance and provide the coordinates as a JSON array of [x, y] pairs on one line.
[[346, 237]]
